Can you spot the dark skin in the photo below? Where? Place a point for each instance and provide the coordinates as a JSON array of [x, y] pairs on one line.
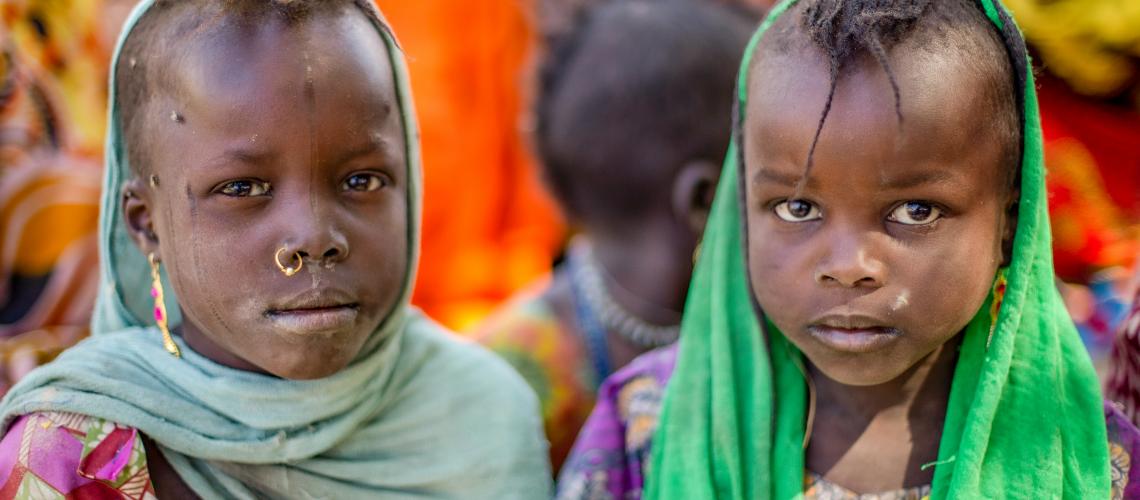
[[890, 253], [285, 137], [648, 262]]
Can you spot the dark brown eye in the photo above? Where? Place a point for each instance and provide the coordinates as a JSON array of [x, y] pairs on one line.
[[797, 211], [244, 188], [364, 182], [915, 213]]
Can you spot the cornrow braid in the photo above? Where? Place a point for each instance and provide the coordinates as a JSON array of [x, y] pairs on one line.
[[144, 63], [842, 31], [844, 28]]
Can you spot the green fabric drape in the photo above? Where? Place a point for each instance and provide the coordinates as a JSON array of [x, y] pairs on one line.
[[1025, 417], [416, 414]]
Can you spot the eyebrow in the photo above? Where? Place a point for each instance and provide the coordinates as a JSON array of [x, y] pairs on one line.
[[375, 144], [243, 155], [255, 156], [939, 176], [781, 178], [897, 183]]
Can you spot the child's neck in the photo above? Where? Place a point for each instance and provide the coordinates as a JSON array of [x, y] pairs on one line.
[[875, 439]]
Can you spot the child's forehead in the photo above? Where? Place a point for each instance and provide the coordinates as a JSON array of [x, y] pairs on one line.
[[227, 52], [275, 64], [940, 102], [277, 85], [938, 92]]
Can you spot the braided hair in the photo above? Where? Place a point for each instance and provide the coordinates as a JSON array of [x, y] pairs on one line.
[[157, 41], [845, 30]]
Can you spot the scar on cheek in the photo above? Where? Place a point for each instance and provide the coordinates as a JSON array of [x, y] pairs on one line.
[[177, 117], [901, 301], [190, 199], [153, 180]]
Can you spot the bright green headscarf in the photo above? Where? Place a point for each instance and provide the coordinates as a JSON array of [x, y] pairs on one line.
[[416, 414], [1025, 416]]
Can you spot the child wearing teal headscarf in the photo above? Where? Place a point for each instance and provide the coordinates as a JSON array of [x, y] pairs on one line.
[[873, 314], [258, 235]]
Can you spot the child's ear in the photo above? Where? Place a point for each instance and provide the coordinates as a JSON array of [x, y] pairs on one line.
[[138, 214], [1009, 227], [693, 190]]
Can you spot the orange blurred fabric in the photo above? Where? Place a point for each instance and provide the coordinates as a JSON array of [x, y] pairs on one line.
[[488, 227], [49, 180]]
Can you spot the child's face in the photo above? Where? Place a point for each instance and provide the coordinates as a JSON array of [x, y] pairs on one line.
[[894, 243], [282, 137]]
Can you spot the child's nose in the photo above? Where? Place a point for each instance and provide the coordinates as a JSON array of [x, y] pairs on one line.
[[851, 262], [315, 238]]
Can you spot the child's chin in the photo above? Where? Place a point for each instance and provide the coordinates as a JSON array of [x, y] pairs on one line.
[[309, 372], [310, 365], [860, 370]]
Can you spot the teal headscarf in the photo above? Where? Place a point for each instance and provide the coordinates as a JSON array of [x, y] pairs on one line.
[[416, 414], [1024, 417]]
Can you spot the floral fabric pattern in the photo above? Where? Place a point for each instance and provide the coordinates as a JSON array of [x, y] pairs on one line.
[[66, 455]]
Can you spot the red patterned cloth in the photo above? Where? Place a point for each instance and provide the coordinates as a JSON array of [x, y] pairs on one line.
[[65, 455]]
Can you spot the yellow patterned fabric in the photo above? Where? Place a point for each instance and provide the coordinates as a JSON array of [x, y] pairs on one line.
[[68, 40], [1093, 44]]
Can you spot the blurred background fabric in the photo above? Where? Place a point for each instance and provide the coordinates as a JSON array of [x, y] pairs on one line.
[[52, 95], [1088, 52], [488, 227]]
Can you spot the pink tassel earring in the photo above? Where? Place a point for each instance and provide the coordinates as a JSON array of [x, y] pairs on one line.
[[160, 308]]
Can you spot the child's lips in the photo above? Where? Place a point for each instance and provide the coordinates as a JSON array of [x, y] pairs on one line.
[[853, 333], [317, 320]]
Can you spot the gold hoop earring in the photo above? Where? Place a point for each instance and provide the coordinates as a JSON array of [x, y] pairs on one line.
[[160, 308], [288, 270]]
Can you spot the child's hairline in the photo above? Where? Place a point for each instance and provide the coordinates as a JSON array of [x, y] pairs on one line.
[[795, 43], [139, 164]]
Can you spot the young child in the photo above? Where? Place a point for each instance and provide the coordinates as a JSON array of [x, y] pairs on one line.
[[874, 310], [263, 155], [634, 116], [1123, 385]]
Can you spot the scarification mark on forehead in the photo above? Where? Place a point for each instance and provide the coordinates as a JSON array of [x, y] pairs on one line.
[[311, 112]]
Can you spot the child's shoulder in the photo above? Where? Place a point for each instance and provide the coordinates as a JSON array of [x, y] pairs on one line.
[[442, 354], [1123, 445], [613, 448], [652, 368], [478, 410], [49, 454]]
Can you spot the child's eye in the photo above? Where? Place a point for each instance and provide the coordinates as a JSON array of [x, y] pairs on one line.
[[797, 211], [245, 188], [915, 213], [364, 182]]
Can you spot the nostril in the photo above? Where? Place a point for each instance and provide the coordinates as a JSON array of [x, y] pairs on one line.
[[331, 253]]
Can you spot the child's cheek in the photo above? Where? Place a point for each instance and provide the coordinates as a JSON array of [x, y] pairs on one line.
[[779, 273], [214, 269]]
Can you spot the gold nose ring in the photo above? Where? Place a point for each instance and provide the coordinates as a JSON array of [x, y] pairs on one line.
[[289, 270]]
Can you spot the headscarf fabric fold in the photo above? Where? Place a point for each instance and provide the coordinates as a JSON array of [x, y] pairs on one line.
[[1025, 416]]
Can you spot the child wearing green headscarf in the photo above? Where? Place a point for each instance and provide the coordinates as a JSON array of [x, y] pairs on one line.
[[258, 235], [873, 314]]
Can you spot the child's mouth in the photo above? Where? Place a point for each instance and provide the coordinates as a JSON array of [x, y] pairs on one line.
[[854, 334], [315, 313], [315, 320]]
